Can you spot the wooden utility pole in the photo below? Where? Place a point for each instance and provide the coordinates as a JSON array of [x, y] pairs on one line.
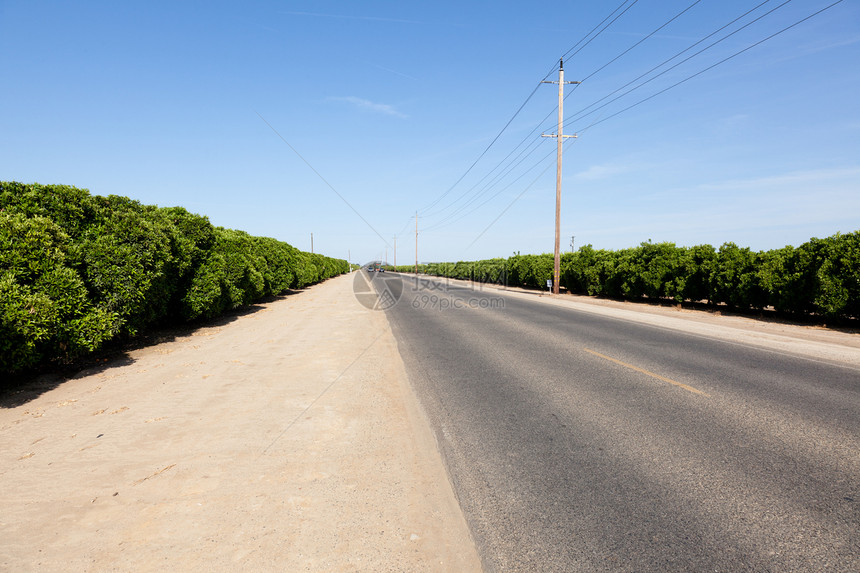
[[416, 242], [556, 271]]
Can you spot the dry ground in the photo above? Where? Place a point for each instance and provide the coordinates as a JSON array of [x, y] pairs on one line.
[[287, 439]]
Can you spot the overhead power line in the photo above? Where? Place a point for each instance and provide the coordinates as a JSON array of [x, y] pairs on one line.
[[511, 204], [450, 220], [700, 72], [625, 52], [568, 53], [582, 113], [495, 139], [499, 165], [324, 180], [587, 39], [478, 197], [483, 153], [401, 231], [712, 66]]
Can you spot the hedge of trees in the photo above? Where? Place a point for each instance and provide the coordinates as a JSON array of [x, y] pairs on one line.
[[78, 270], [820, 277]]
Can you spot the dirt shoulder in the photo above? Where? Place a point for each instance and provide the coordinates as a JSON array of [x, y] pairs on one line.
[[288, 439]]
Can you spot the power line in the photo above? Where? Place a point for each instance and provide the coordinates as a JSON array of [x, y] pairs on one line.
[[567, 53], [463, 210], [481, 180], [622, 54], [739, 52], [483, 153], [511, 204], [516, 162], [401, 231], [330, 186], [581, 113], [625, 52], [451, 220], [601, 30], [700, 72], [452, 217], [519, 160]]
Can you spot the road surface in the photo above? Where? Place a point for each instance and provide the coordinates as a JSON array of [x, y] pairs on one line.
[[578, 442]]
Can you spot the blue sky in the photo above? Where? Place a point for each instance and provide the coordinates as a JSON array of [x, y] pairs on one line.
[[200, 104]]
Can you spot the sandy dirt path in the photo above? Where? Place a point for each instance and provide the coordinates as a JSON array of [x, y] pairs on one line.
[[286, 439]]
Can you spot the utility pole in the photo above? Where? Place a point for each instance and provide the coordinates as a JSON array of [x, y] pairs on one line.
[[556, 271], [572, 237], [312, 243], [416, 242], [395, 252]]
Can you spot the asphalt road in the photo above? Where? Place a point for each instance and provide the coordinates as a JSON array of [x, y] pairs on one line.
[[577, 442]]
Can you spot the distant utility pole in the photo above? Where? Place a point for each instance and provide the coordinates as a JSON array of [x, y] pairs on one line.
[[312, 243], [395, 252], [416, 242], [572, 237], [556, 272]]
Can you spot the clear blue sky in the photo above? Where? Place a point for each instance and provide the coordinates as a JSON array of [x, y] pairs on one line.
[[392, 102]]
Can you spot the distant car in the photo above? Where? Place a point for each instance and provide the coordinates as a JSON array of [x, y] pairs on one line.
[[381, 270]]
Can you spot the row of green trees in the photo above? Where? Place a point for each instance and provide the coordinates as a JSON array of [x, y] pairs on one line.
[[78, 270], [820, 277]]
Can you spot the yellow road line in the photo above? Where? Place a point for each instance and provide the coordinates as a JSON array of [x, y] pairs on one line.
[[657, 376]]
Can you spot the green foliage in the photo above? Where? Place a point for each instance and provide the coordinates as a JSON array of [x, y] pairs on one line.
[[209, 294], [735, 278], [25, 324], [78, 270], [838, 292], [70, 208], [584, 271], [820, 277], [280, 262], [531, 271], [44, 306], [128, 262], [698, 263]]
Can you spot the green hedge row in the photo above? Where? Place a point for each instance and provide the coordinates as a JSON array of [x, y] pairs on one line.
[[820, 277], [78, 270]]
